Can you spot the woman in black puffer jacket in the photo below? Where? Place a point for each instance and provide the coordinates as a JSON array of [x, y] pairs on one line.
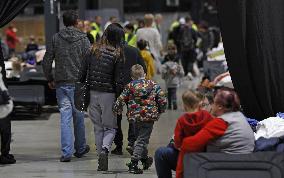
[[103, 67]]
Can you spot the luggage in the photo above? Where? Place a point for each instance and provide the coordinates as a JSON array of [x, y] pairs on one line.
[[220, 165]]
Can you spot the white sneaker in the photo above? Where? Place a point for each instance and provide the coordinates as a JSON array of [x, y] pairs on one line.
[[190, 76]]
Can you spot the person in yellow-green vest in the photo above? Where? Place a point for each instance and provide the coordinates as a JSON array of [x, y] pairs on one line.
[[130, 37], [96, 31]]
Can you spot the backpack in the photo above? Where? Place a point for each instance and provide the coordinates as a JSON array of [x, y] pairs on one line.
[[186, 39]]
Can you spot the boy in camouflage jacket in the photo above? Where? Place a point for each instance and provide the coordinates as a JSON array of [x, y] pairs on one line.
[[145, 102]]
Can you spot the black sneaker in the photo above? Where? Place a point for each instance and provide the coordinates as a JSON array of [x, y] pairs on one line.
[[64, 159], [175, 106], [169, 107], [117, 151], [7, 160], [129, 149], [80, 155], [10, 156], [103, 160], [147, 163], [133, 167]]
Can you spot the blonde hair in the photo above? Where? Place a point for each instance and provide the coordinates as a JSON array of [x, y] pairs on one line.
[[137, 72], [192, 99], [16, 65], [148, 19]]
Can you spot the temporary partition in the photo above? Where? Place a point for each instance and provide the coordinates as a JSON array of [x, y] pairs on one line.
[[253, 36]]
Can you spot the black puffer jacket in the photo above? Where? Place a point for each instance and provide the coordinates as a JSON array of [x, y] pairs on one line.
[[102, 72], [132, 56]]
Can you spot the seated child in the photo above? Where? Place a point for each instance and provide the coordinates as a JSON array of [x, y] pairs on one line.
[[145, 102], [16, 68]]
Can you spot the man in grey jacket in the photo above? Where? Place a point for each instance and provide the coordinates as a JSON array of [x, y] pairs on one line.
[[68, 48]]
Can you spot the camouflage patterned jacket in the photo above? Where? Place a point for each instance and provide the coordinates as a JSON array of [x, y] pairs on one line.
[[145, 101]]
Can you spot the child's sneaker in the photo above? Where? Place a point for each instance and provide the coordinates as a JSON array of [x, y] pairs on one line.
[[147, 162], [133, 167]]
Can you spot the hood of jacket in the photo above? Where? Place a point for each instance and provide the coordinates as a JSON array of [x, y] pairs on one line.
[[193, 122], [71, 34]]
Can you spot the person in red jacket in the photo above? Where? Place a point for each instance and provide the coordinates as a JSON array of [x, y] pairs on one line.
[[11, 38], [189, 124], [226, 104], [195, 118]]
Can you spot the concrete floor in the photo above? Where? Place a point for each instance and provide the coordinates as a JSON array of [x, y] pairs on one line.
[[36, 146]]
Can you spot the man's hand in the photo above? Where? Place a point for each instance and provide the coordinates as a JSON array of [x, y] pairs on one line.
[[51, 85]]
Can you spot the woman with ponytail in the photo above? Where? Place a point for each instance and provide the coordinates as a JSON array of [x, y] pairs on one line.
[[102, 70]]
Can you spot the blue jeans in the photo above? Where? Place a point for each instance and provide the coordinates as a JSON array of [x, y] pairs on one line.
[[166, 161], [65, 100]]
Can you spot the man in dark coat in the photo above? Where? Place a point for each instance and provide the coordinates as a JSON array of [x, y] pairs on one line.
[[68, 49]]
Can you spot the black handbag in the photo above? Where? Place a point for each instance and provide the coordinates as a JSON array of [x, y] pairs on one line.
[[82, 94]]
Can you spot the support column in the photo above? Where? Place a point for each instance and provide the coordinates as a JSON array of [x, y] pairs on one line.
[[115, 4], [82, 8], [51, 18]]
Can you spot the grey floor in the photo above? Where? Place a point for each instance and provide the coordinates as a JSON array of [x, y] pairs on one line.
[[37, 149]]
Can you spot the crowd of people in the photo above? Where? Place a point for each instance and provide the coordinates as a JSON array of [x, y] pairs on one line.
[[118, 66]]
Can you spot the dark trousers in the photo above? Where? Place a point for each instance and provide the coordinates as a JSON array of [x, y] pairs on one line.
[[172, 96], [165, 161], [187, 60], [143, 132], [5, 131], [11, 51], [118, 139]]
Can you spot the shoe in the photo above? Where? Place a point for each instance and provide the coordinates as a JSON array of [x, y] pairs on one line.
[[64, 159], [175, 106], [10, 156], [190, 76], [169, 107], [103, 160], [133, 167], [147, 162], [117, 151], [129, 149], [7, 160], [80, 155]]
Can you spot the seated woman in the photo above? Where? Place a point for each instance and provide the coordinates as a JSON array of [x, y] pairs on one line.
[[231, 135]]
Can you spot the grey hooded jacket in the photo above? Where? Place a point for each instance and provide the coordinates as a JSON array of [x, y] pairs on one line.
[[68, 48]]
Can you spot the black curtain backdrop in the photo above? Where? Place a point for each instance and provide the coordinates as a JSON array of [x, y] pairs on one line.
[[8, 10], [253, 37]]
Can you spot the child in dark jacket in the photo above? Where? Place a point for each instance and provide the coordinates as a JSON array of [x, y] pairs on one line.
[[145, 102]]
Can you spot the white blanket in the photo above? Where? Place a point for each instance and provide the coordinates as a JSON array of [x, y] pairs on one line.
[[270, 127]]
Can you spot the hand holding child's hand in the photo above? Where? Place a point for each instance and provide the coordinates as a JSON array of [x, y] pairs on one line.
[[174, 71]]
